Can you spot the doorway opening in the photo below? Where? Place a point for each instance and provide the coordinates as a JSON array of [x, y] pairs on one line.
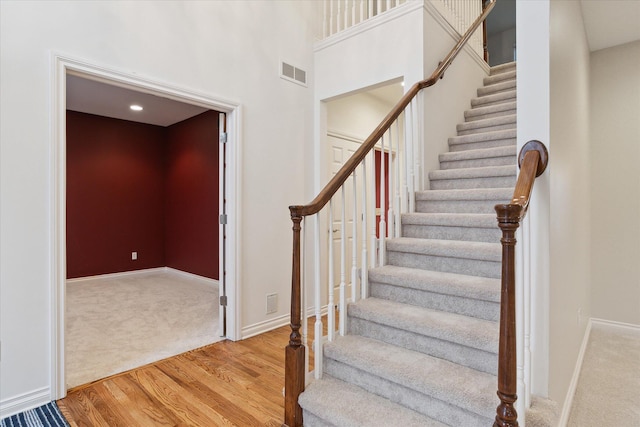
[[222, 116]]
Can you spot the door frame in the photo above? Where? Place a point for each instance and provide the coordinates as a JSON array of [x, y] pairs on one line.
[[61, 65]]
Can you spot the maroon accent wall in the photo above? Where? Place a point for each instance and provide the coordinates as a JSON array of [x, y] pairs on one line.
[[115, 195], [144, 188], [192, 189]]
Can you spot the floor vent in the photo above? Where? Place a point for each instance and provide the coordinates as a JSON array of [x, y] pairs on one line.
[[293, 74]]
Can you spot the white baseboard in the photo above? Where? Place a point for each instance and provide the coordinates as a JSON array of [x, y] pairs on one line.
[[573, 384], [112, 276], [616, 325], [202, 279], [24, 402], [144, 272], [276, 322]]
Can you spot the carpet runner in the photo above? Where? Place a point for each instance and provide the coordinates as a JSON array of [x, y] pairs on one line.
[[44, 416]]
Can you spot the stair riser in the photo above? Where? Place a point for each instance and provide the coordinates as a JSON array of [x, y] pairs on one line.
[[471, 357], [467, 183], [419, 402], [457, 206], [310, 420], [478, 163], [509, 75], [503, 68], [493, 99], [473, 114], [486, 310], [462, 132], [470, 234], [504, 86], [446, 264], [455, 147]]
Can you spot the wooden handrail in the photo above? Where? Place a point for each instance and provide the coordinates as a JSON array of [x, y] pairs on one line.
[[347, 169], [294, 352], [533, 161]]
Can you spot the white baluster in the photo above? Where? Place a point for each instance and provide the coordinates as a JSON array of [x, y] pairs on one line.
[[331, 315], [370, 9], [388, 5], [390, 216], [354, 241], [324, 19], [398, 204], [374, 240], [318, 303], [346, 14], [410, 164], [379, 9], [343, 261], [362, 10], [330, 17], [339, 17], [303, 297], [383, 223], [419, 144], [353, 13], [364, 281]]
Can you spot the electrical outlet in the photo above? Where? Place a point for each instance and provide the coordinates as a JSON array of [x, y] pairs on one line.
[[272, 303], [134, 256]]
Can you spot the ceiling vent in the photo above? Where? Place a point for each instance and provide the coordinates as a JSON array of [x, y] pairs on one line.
[[293, 74]]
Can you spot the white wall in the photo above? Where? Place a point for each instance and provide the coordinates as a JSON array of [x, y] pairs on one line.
[[615, 183], [501, 46], [223, 49], [570, 193]]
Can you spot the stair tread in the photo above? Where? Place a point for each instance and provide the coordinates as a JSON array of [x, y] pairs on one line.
[[489, 109], [484, 136], [485, 123], [474, 287], [481, 251], [466, 194], [456, 328], [344, 404], [447, 381], [451, 219], [505, 96], [497, 69], [477, 172], [497, 87], [480, 153], [507, 75]]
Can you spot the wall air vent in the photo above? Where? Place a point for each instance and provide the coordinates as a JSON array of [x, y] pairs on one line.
[[293, 74]]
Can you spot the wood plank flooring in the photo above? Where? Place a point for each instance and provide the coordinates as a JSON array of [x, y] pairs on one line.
[[223, 384]]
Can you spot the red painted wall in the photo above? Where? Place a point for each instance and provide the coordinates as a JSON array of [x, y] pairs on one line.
[[115, 195], [192, 195], [149, 189]]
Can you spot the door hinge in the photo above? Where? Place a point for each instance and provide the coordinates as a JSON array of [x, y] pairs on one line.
[[223, 219], [223, 300], [223, 137]]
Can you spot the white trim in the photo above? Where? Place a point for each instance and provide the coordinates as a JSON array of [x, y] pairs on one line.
[[367, 25], [615, 325], [276, 322], [118, 275], [24, 402], [345, 136], [191, 276], [60, 66], [573, 384], [455, 35]]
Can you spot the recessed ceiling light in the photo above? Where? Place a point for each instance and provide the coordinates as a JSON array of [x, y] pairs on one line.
[[135, 107]]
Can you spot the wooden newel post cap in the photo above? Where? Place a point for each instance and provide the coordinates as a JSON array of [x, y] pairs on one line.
[[535, 145]]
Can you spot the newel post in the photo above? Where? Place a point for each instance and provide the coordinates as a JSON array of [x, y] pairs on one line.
[[294, 352], [508, 221]]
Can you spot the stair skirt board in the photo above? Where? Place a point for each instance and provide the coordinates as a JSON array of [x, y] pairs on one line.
[[422, 349]]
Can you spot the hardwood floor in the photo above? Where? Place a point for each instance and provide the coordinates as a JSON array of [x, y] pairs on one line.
[[223, 384]]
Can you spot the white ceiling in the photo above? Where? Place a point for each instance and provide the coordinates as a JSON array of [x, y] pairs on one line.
[[607, 23], [611, 22], [93, 97]]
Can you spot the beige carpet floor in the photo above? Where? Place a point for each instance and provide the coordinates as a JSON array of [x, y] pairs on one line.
[[113, 325], [608, 392]]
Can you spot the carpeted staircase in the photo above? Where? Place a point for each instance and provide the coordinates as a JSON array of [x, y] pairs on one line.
[[422, 350]]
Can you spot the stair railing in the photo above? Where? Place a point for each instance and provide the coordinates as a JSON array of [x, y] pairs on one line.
[[400, 163], [533, 159]]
